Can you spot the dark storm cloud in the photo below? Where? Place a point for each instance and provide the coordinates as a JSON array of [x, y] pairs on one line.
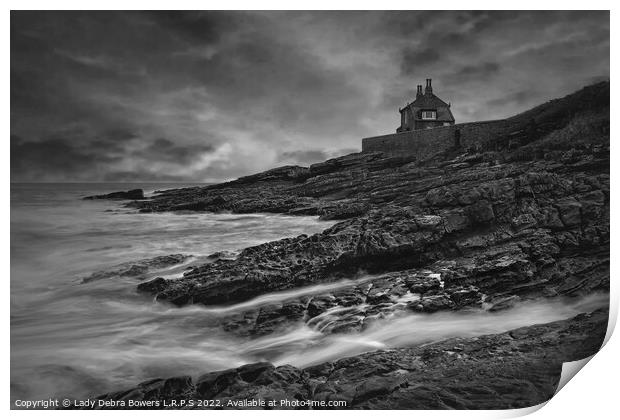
[[204, 27], [120, 134], [168, 151], [215, 95], [414, 58], [480, 71], [481, 20], [53, 156]]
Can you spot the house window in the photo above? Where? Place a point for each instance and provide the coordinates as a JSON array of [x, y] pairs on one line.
[[429, 115]]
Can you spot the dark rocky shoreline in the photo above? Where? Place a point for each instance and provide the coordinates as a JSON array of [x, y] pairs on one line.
[[524, 217], [136, 194], [516, 369]]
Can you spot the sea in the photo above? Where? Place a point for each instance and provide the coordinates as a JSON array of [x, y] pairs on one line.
[[71, 339]]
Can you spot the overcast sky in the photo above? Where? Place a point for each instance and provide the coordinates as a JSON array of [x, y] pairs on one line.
[[206, 96]]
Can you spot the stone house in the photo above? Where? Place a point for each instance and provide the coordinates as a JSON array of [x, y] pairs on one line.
[[427, 111]]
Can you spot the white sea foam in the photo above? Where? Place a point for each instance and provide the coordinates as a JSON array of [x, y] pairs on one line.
[[75, 339], [285, 295]]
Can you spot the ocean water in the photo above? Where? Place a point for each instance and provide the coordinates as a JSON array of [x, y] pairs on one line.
[[71, 339], [74, 338]]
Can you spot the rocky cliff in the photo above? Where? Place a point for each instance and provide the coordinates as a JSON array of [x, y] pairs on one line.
[[525, 216]]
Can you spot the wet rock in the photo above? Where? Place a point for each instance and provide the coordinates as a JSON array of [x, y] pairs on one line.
[[320, 304], [154, 286], [223, 255], [570, 211], [467, 296], [455, 220], [163, 390], [273, 317], [523, 221], [344, 210], [424, 284], [339, 320], [432, 303], [138, 268], [347, 325], [481, 212], [349, 297], [136, 194], [377, 296], [501, 303], [428, 221], [260, 381], [213, 383]]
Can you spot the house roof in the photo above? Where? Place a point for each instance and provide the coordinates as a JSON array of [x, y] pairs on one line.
[[430, 101]]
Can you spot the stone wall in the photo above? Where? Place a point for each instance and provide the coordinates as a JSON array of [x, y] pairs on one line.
[[426, 143]]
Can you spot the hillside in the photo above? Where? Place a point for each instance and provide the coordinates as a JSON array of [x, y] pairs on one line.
[[523, 219]]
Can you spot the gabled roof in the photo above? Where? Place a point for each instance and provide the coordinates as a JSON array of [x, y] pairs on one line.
[[428, 100]]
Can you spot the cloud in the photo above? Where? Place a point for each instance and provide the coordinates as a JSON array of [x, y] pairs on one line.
[[120, 134], [414, 58], [115, 155], [201, 26], [54, 156], [164, 150], [482, 71]]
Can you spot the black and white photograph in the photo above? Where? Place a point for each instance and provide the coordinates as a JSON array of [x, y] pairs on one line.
[[307, 210]]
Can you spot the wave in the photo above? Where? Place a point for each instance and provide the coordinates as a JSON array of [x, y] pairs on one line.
[[283, 296]]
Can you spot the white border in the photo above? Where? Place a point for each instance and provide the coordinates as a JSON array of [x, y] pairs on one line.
[[591, 395]]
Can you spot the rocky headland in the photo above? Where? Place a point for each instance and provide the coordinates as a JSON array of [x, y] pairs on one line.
[[523, 217], [136, 194]]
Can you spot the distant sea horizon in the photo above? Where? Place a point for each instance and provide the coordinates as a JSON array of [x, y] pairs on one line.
[[117, 182]]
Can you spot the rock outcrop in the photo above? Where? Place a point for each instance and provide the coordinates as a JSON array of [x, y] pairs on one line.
[[139, 268], [526, 216], [506, 223], [136, 194]]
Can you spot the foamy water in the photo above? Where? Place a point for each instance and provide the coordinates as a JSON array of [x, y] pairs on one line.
[[69, 338], [75, 340]]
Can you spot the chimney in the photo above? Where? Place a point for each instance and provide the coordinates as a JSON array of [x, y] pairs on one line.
[[419, 92], [429, 88]]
